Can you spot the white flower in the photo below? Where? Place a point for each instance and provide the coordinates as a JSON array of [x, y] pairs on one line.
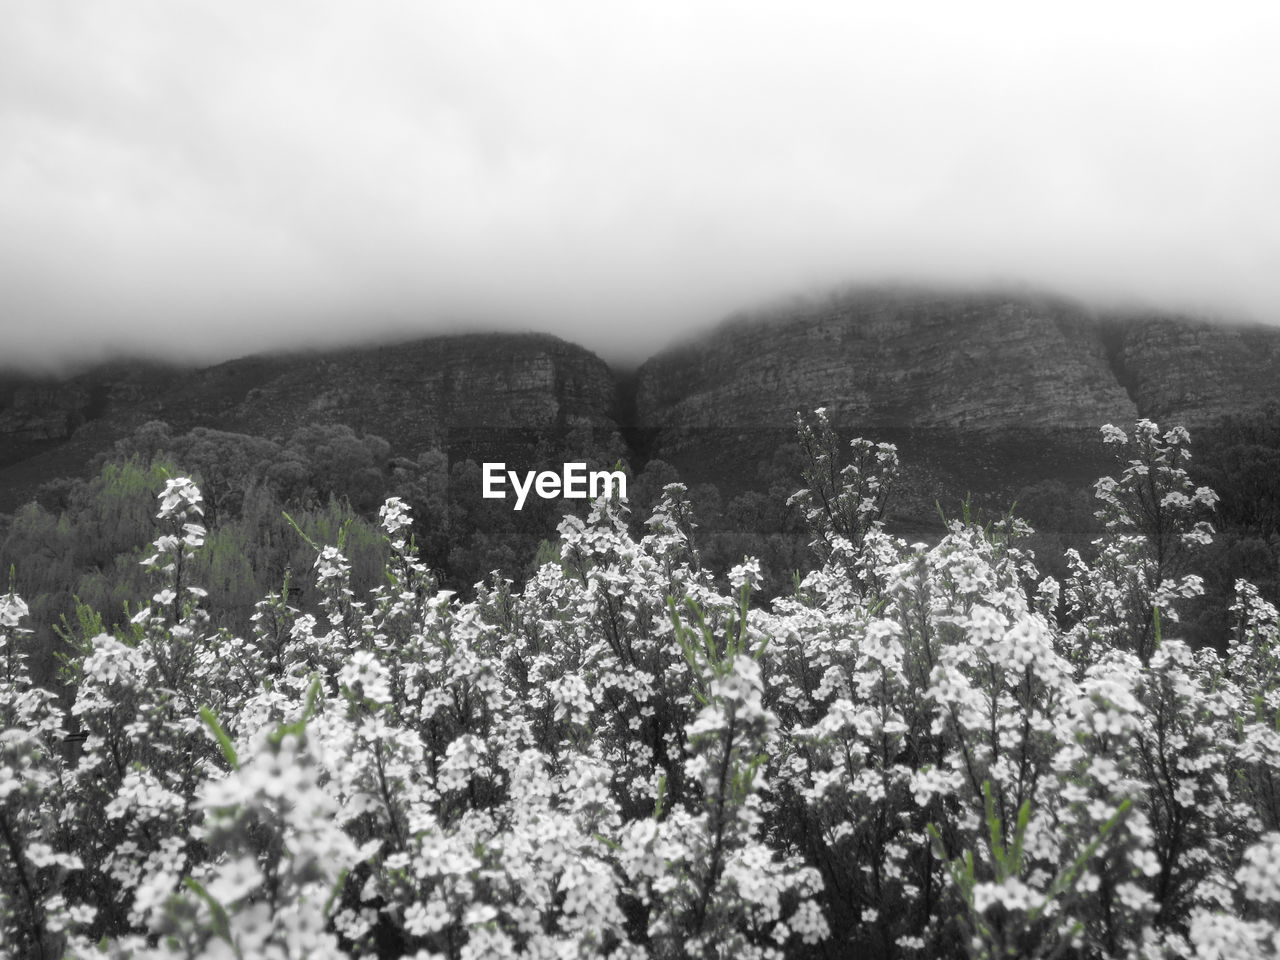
[[235, 880], [395, 516], [12, 610]]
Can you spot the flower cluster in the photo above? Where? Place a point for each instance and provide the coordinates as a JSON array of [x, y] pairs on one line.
[[924, 751]]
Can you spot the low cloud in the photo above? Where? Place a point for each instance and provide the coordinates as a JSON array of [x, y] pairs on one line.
[[204, 180]]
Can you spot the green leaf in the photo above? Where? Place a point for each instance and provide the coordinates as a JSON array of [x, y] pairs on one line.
[[608, 841], [220, 735], [294, 523], [662, 795], [337, 889], [221, 923]]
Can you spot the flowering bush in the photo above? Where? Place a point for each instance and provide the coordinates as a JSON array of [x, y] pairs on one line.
[[924, 751]]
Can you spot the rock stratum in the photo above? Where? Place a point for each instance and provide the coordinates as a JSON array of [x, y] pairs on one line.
[[980, 364], [983, 392], [436, 392], [976, 363], [973, 386]]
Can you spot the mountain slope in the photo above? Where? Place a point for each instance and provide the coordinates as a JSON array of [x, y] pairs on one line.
[[986, 394], [440, 391], [983, 392], [892, 359]]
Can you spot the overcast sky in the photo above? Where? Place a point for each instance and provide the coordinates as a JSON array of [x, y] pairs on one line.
[[209, 179]]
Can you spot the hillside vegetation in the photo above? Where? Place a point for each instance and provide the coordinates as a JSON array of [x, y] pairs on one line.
[[927, 750]]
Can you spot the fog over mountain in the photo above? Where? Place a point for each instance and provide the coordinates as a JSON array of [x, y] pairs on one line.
[[203, 181]]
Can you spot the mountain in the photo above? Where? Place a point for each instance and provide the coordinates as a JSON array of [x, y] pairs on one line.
[[453, 392], [982, 364], [985, 393], [1179, 369], [992, 400]]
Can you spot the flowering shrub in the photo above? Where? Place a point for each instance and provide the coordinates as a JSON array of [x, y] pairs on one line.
[[924, 751]]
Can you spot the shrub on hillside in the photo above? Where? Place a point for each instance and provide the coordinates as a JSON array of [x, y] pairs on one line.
[[922, 752]]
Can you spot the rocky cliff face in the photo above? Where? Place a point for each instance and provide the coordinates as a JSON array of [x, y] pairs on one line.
[[1183, 370], [425, 393], [975, 364], [414, 394], [42, 411], [894, 360], [982, 393], [48, 409], [980, 386]]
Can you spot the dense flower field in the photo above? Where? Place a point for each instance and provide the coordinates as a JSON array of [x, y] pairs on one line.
[[924, 751]]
